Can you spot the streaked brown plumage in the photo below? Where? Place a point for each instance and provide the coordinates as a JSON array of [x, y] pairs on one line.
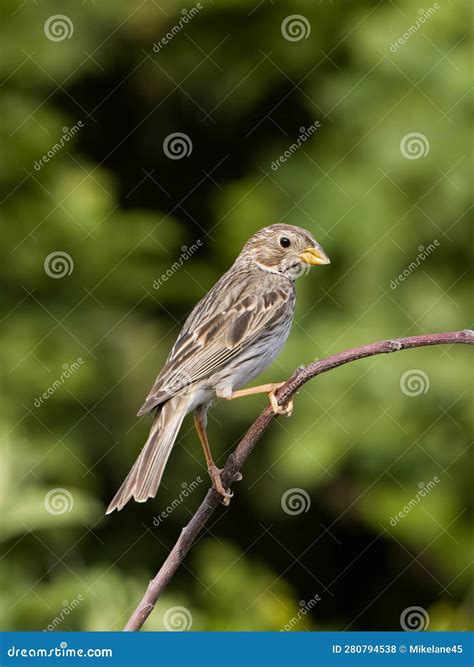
[[231, 335]]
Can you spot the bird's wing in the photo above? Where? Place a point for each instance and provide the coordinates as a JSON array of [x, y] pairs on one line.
[[236, 311]]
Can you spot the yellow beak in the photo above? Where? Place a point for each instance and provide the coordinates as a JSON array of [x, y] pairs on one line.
[[314, 256]]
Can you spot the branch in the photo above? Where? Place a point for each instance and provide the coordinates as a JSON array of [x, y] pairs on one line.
[[243, 450]]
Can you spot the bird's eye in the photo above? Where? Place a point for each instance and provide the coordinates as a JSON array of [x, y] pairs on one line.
[[284, 242]]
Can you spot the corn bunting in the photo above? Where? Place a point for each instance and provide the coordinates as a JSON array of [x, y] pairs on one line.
[[232, 334]]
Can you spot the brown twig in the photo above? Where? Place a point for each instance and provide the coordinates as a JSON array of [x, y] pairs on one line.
[[250, 439]]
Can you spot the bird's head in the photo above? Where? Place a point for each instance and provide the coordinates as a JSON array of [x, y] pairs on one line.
[[284, 249]]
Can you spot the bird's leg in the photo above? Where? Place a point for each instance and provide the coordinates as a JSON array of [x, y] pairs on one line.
[[214, 472], [270, 390]]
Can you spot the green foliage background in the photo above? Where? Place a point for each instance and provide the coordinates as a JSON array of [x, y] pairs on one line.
[[358, 445]]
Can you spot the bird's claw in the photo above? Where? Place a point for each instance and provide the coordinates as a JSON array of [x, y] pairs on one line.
[[226, 494], [226, 497], [286, 409]]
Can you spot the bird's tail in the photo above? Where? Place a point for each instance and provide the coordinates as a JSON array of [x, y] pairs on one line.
[[144, 478]]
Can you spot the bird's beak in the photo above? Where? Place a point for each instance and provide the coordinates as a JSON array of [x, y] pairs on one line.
[[314, 256]]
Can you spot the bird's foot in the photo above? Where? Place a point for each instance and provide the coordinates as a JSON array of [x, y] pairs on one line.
[[215, 475], [268, 389], [287, 408]]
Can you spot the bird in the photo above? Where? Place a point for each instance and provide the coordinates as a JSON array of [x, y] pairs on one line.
[[233, 333]]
